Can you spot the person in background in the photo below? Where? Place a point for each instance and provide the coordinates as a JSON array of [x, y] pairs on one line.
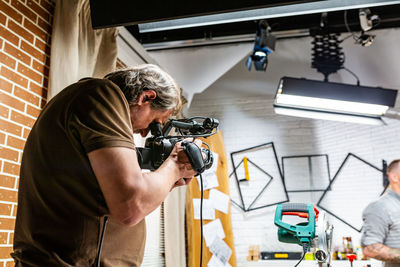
[[80, 167], [381, 230]]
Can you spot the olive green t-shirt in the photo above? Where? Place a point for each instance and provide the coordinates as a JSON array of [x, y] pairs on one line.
[[60, 203]]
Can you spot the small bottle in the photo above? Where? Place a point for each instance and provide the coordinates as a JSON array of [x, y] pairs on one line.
[[348, 245]]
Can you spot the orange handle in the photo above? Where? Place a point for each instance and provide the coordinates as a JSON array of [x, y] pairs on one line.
[[302, 214]]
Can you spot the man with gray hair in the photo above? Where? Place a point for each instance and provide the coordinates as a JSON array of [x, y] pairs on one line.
[[381, 230], [80, 167]]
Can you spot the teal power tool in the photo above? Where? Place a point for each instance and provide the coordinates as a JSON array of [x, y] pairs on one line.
[[315, 233]]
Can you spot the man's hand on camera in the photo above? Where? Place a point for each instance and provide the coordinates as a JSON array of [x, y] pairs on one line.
[[181, 159]]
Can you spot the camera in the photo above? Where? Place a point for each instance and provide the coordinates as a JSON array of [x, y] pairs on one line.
[[159, 146]]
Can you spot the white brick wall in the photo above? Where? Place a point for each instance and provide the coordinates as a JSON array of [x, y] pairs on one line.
[[242, 101]]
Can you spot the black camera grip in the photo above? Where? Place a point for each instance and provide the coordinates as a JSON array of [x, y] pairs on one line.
[[193, 152]]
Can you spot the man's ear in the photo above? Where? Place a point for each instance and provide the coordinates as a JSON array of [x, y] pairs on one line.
[[146, 96], [394, 178]]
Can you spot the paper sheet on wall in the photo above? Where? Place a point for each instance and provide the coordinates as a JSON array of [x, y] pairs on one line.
[[220, 200], [213, 230], [210, 180], [214, 166], [215, 262], [221, 250], [208, 209]]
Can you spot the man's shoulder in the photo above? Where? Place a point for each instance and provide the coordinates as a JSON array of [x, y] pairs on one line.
[[85, 86], [96, 83], [378, 206], [95, 87], [373, 205]]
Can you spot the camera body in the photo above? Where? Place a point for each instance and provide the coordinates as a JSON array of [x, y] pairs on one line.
[[159, 146]]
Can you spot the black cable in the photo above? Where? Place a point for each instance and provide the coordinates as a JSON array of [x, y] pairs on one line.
[[302, 257], [305, 249], [347, 37], [101, 241], [352, 73], [201, 220], [356, 38], [190, 135], [181, 131]]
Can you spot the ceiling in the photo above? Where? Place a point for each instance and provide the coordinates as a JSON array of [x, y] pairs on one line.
[[285, 26]]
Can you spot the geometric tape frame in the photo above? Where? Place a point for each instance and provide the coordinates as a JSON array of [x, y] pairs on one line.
[[333, 180], [249, 208], [242, 206], [310, 171]]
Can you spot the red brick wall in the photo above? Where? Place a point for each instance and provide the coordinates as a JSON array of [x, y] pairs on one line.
[[25, 31]]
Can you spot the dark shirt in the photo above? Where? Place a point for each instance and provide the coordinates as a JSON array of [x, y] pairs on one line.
[[60, 203]]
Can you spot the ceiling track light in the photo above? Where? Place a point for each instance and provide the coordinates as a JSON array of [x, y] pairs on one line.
[[367, 22], [264, 44]]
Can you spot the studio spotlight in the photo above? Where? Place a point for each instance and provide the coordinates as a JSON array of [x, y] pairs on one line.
[[263, 45], [367, 19], [367, 22]]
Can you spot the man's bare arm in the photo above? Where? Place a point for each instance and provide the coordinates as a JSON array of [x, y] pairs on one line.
[[381, 252], [130, 194]]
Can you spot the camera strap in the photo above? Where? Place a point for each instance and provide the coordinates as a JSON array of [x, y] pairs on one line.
[[100, 245]]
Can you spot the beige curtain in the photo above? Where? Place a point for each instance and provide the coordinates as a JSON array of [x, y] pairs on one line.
[[174, 221], [77, 50]]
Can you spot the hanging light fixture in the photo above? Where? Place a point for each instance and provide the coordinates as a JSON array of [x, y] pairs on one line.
[[327, 100], [333, 101]]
